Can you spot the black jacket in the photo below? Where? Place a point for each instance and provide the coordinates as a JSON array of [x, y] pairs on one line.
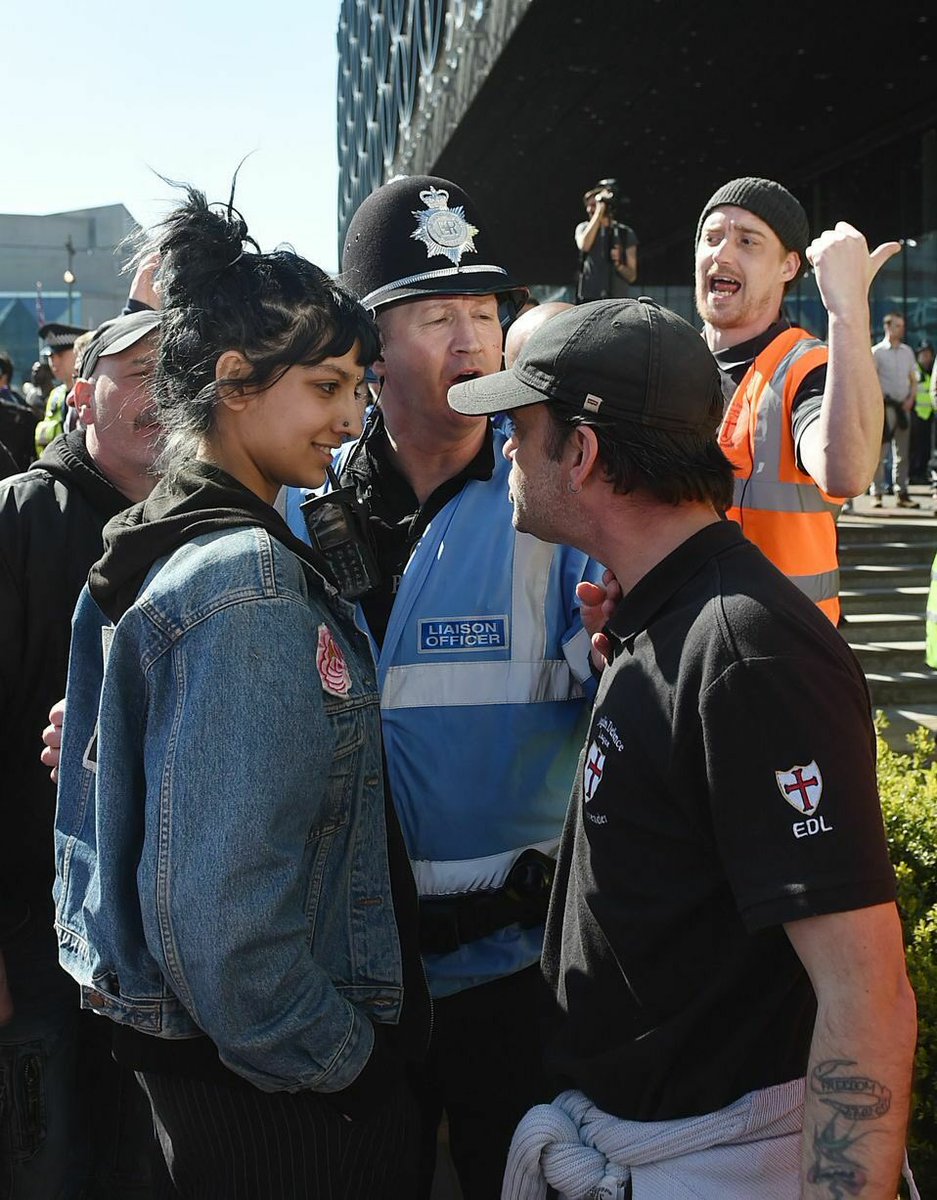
[[51, 518]]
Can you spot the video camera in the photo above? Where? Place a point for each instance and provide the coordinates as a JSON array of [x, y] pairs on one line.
[[613, 196]]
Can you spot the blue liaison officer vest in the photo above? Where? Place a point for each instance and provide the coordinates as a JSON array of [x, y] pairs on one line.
[[485, 696]]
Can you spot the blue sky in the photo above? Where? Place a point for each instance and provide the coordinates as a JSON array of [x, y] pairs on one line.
[[99, 96]]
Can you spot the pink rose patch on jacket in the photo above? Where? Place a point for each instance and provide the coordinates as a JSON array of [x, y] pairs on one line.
[[333, 670]]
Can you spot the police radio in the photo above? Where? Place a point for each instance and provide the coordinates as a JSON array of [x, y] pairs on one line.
[[337, 523]]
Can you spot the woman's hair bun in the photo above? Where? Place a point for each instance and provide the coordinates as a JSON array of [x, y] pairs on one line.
[[197, 242]]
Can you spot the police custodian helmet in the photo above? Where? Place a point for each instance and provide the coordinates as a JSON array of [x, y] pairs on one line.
[[419, 235]]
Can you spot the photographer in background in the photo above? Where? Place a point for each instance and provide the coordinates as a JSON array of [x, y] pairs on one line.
[[608, 249]]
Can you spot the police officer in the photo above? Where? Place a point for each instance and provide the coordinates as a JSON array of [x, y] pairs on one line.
[[482, 660], [59, 344]]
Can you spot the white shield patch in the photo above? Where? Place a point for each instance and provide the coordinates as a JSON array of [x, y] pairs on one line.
[[801, 787], [592, 772]]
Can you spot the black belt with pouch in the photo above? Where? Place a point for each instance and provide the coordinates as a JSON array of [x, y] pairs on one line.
[[448, 922]]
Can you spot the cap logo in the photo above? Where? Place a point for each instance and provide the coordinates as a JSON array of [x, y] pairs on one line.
[[592, 403], [441, 229]]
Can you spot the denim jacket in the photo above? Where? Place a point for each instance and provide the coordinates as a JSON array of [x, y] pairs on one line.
[[221, 853]]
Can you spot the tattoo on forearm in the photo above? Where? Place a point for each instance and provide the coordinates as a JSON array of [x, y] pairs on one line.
[[853, 1099]]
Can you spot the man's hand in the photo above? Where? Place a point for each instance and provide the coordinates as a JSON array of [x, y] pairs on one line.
[[845, 269], [6, 999], [597, 603], [144, 287], [842, 450], [52, 739]]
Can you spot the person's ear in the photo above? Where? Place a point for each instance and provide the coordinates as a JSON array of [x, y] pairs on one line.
[[83, 394], [231, 369], [790, 266], [584, 455]]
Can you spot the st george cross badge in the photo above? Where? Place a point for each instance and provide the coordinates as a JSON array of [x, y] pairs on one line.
[[592, 772], [441, 229], [801, 787]]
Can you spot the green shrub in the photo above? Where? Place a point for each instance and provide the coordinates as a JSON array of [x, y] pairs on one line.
[[908, 788]]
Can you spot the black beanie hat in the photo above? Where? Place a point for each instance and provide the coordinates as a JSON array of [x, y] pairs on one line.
[[773, 203], [420, 235]]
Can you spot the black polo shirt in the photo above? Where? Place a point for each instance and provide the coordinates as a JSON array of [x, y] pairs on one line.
[[727, 785], [397, 520]]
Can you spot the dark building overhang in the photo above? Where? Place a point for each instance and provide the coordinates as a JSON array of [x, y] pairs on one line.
[[540, 99]]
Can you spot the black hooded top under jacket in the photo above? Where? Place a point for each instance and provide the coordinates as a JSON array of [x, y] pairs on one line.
[[51, 522]]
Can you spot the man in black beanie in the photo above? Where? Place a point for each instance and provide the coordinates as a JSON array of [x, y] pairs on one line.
[[803, 422]]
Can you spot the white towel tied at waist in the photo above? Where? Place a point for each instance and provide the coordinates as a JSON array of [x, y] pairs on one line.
[[584, 1152]]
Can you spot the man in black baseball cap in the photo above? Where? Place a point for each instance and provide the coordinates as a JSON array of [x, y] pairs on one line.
[[723, 885], [803, 420], [584, 376], [51, 522], [483, 661]]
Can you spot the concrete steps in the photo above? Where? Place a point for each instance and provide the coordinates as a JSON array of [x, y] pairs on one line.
[[886, 557], [899, 599]]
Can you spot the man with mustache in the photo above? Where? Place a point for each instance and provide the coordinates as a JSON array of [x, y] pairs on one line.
[[52, 1055]]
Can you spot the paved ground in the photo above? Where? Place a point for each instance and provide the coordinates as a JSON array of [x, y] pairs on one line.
[[862, 507]]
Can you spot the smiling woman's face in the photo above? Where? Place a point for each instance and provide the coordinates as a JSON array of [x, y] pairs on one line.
[[287, 434]]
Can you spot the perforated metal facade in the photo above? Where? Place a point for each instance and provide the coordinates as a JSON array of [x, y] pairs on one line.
[[408, 71]]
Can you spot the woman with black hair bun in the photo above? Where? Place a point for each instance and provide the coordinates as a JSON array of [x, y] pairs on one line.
[[232, 887]]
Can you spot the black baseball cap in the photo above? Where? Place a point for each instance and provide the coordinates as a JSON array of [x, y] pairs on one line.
[[115, 336], [421, 235], [612, 360]]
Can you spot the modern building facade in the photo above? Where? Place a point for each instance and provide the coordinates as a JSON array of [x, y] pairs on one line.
[[527, 103]]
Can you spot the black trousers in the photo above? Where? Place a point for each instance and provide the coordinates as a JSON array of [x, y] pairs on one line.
[[225, 1143], [484, 1070]]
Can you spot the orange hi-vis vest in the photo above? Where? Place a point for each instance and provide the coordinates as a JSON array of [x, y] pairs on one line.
[[779, 507]]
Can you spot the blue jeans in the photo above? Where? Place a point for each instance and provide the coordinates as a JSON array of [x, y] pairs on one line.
[[72, 1123]]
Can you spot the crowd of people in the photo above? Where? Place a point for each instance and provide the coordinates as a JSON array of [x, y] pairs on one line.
[[449, 724]]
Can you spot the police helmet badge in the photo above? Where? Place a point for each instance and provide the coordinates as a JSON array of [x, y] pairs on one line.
[[411, 238], [443, 230]]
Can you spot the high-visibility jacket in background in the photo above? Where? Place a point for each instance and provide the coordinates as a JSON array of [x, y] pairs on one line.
[[930, 652], [923, 401], [780, 507], [52, 424]]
